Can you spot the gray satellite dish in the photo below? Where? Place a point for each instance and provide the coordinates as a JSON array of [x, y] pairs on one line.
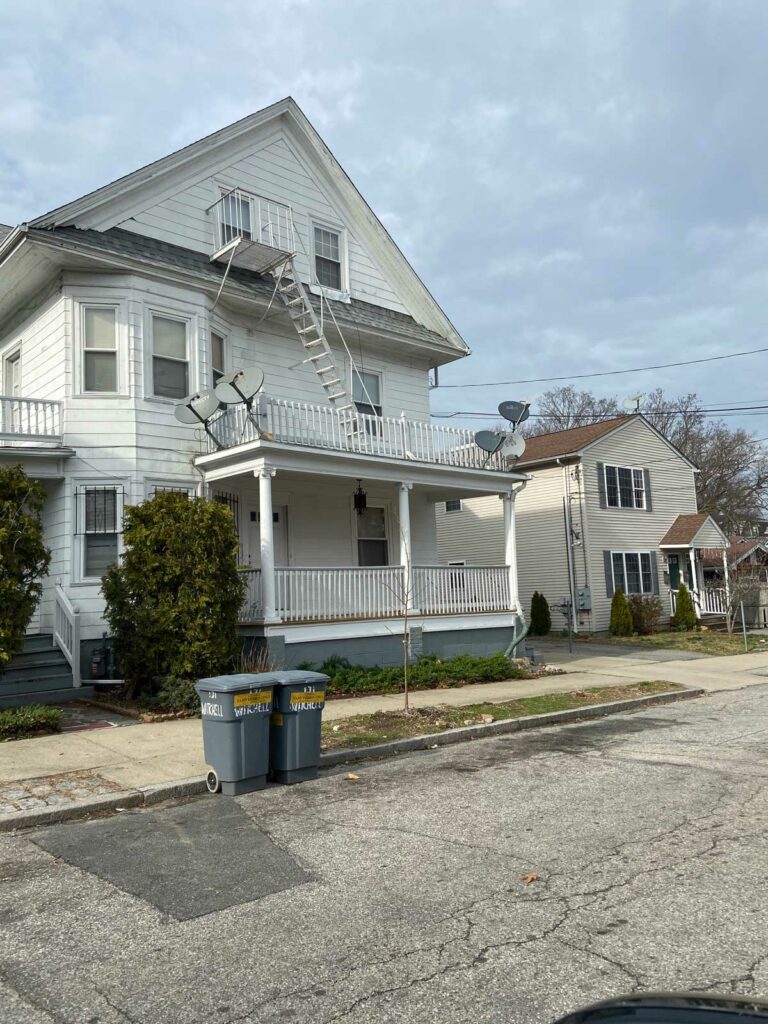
[[633, 402], [515, 412], [240, 386], [198, 409], [489, 441], [513, 446]]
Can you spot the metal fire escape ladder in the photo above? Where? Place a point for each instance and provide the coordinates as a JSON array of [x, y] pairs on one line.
[[312, 336]]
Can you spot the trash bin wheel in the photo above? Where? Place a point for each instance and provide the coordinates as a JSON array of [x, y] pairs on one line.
[[212, 782]]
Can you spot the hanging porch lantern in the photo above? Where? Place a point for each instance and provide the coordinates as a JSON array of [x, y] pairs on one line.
[[360, 499]]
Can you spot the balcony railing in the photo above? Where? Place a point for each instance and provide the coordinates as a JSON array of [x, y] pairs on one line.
[[378, 592], [27, 420], [322, 426]]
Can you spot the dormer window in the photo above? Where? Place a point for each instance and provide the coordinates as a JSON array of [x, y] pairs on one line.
[[624, 487], [328, 258]]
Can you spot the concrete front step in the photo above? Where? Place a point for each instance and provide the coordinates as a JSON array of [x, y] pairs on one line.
[[60, 696]]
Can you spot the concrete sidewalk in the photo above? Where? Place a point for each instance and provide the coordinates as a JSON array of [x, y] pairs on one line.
[[142, 755]]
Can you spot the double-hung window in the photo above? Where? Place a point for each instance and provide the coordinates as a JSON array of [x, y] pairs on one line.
[[328, 270], [632, 572], [372, 546], [366, 392], [217, 357], [170, 357], [624, 487], [100, 513], [236, 218], [100, 367]]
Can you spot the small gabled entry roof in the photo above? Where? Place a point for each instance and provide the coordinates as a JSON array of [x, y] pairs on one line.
[[688, 528]]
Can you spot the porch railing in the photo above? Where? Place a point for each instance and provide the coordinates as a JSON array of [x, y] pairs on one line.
[[30, 419], [707, 601], [66, 631], [322, 426], [378, 592]]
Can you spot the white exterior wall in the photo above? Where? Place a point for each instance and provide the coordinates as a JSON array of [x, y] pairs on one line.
[[672, 493], [41, 336]]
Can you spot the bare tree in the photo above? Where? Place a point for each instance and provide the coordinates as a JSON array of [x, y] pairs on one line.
[[562, 408]]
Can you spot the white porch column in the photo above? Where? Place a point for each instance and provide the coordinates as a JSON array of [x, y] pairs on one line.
[[726, 581], [404, 526], [695, 580], [510, 549], [266, 543]]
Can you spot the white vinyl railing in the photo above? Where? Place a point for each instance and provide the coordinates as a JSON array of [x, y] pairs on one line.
[[241, 214], [448, 589], [66, 631], [30, 419], [707, 601], [322, 426], [378, 592]]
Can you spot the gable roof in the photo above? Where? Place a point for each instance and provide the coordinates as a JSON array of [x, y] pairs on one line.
[[739, 549], [561, 443], [686, 528], [418, 297]]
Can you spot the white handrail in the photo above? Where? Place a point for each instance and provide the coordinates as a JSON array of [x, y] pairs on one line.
[[322, 426], [66, 631], [337, 593], [30, 419]]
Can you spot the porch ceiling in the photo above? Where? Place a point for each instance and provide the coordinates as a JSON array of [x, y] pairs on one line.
[[318, 463]]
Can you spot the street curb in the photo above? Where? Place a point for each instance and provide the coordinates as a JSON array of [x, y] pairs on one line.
[[508, 725], [181, 788]]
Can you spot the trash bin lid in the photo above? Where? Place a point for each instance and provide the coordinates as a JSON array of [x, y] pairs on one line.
[[236, 682], [297, 677]]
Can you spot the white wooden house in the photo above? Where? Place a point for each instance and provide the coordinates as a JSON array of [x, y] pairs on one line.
[[608, 504], [249, 247]]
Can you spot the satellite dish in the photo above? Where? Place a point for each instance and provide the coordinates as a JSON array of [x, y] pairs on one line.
[[240, 386], [633, 402], [198, 409], [489, 441], [512, 447], [515, 412]]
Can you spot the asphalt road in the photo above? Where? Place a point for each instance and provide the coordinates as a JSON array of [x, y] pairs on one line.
[[400, 896]]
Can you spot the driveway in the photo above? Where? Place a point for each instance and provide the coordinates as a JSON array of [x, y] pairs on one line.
[[505, 880]]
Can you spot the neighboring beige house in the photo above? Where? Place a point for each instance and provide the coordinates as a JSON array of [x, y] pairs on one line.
[[609, 504]]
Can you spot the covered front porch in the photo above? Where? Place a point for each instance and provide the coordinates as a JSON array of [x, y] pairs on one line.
[[691, 541], [335, 540]]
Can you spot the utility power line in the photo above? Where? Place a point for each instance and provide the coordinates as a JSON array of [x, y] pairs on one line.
[[606, 373]]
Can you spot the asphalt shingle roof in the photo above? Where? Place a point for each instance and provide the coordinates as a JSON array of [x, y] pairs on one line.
[[684, 528], [119, 242], [567, 442]]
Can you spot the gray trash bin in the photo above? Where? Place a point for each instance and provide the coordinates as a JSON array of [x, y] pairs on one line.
[[235, 711], [294, 734]]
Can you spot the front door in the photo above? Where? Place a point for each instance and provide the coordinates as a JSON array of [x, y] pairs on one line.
[[674, 571], [279, 533]]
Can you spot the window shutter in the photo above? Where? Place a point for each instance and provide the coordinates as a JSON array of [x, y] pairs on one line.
[[608, 573], [648, 499], [654, 571], [601, 485]]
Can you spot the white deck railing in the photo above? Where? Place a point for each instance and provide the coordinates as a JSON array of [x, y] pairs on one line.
[[30, 419], [66, 631], [707, 601], [378, 592], [322, 426]]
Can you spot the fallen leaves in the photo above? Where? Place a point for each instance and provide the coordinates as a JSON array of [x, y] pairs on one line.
[[530, 877], [351, 777]]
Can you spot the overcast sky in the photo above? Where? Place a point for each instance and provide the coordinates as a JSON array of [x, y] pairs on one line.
[[582, 184]]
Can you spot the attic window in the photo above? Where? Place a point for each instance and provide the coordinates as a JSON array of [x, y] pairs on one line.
[[328, 258], [235, 217]]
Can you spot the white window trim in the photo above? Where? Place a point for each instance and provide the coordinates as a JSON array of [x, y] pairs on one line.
[[7, 355], [193, 375], [342, 294], [120, 305], [392, 552], [452, 512], [216, 326], [642, 593], [77, 493], [633, 469], [374, 371]]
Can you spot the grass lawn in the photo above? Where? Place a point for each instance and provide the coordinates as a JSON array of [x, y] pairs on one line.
[[366, 730], [701, 642]]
